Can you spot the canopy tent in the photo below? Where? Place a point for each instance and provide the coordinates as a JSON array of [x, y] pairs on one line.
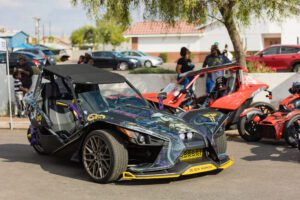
[[23, 46]]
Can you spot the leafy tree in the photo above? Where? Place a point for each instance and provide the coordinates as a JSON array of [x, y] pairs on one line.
[[85, 34], [231, 13], [106, 32], [110, 31]]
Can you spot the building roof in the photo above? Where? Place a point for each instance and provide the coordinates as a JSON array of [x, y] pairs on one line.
[[159, 28], [85, 74], [11, 33]]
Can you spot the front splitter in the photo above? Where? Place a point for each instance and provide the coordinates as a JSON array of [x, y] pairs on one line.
[[189, 170]]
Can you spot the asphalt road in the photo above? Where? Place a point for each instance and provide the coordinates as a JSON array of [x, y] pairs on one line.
[[266, 170]]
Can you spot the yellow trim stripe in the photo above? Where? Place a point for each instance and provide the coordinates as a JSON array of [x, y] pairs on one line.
[[61, 104], [228, 164], [130, 176], [199, 169]]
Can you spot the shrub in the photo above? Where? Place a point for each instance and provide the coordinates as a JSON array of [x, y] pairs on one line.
[[157, 70], [256, 67], [164, 56]]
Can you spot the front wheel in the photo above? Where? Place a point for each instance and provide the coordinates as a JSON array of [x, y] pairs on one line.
[[248, 129], [104, 156], [296, 68], [123, 66], [291, 131], [148, 64], [266, 108]]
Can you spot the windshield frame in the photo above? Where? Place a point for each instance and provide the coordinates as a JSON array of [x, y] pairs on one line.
[[148, 105]]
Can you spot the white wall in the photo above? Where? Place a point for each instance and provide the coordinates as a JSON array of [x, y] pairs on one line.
[[168, 44], [252, 37]]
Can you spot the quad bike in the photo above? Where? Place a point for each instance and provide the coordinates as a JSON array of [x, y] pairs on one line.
[[232, 94], [284, 123]]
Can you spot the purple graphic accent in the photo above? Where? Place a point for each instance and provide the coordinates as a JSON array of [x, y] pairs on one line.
[[33, 132], [75, 109], [125, 113], [160, 103]]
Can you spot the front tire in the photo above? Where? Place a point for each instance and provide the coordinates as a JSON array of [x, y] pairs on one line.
[[290, 131], [148, 64], [248, 129], [123, 66], [296, 68], [266, 108], [104, 156]]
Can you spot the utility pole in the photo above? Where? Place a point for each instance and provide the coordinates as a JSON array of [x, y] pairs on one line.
[[49, 29], [37, 28], [43, 33]]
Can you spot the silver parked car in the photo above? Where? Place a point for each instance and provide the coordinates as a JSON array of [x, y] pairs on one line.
[[146, 60]]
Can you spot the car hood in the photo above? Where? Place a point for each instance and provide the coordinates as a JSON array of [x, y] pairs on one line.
[[149, 121]]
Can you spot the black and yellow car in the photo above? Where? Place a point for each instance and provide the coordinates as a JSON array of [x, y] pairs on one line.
[[98, 118]]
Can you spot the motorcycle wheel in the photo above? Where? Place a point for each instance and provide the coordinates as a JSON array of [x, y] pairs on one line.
[[248, 129], [266, 108], [291, 131]]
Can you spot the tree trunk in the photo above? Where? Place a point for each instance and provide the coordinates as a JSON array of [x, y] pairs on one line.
[[233, 34]]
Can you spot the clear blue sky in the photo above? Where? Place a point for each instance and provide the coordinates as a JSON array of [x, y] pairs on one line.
[[18, 15]]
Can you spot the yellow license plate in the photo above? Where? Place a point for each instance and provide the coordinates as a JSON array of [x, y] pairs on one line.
[[191, 154]]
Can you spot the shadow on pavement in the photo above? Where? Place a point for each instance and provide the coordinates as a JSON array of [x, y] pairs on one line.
[[25, 154], [166, 181], [270, 150]]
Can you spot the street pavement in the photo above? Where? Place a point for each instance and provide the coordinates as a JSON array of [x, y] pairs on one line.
[[265, 170]]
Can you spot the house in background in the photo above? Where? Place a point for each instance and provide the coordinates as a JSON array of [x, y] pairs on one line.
[[14, 38], [157, 37]]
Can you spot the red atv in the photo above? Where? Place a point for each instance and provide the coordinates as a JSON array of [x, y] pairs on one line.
[[284, 123], [232, 93]]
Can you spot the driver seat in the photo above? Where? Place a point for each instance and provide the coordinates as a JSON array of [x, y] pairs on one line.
[[61, 117]]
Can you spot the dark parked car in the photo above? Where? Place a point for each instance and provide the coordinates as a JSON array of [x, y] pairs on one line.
[[38, 53], [279, 57], [61, 54], [98, 118], [115, 60], [50, 57], [14, 59]]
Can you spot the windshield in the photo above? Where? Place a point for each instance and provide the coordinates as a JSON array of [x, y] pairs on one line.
[[142, 53], [48, 52], [119, 55], [104, 97]]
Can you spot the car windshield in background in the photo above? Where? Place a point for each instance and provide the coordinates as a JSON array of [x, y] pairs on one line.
[[119, 55], [142, 53], [48, 53], [110, 96]]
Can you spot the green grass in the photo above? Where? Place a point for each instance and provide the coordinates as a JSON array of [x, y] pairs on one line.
[[157, 70]]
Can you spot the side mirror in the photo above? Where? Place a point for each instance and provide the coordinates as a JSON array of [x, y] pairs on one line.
[[261, 54]]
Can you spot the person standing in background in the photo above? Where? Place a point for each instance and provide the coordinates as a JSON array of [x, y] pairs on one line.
[[215, 58], [227, 53], [25, 71], [184, 64]]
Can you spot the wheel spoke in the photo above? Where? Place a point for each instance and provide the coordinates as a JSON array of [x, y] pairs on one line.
[[96, 157]]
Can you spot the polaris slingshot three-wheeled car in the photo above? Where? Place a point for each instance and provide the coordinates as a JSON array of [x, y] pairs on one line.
[[99, 118], [233, 92]]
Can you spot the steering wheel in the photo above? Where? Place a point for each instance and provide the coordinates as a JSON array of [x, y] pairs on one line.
[[220, 84]]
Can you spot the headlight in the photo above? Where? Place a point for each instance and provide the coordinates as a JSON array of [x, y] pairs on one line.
[[133, 60], [142, 138], [188, 136]]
